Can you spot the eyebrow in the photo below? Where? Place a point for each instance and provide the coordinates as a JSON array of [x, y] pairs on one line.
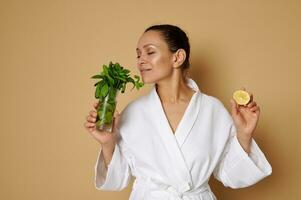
[[146, 46]]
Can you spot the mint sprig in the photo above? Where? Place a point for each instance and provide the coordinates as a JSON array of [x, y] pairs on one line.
[[114, 75]]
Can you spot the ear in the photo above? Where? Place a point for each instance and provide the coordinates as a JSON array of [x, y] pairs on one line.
[[179, 58]]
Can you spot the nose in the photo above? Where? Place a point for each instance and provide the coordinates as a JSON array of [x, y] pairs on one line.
[[141, 60]]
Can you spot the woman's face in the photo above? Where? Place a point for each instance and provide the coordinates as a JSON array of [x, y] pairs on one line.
[[154, 60]]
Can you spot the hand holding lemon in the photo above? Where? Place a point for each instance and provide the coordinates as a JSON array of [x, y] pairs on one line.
[[245, 113]]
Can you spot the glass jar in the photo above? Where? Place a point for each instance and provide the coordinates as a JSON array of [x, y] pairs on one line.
[[106, 109]]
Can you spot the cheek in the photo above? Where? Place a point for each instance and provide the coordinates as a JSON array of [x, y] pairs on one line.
[[161, 63], [161, 67]]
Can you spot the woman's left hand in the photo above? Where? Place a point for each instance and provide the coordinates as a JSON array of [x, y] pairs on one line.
[[245, 119]]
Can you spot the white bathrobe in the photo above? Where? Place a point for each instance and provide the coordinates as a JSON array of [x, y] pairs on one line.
[[178, 166]]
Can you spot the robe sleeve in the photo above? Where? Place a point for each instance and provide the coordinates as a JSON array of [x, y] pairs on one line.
[[118, 174], [237, 169]]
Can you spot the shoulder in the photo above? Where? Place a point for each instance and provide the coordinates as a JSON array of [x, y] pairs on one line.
[[212, 101], [216, 106], [220, 117], [133, 118], [135, 106], [134, 111]]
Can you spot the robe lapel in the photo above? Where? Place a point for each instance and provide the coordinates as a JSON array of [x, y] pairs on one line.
[[173, 142], [189, 117]]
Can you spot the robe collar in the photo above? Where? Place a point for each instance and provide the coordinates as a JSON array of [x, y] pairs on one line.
[[188, 118], [174, 141]]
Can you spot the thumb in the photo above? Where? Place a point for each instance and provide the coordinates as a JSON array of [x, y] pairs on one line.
[[234, 110], [116, 120]]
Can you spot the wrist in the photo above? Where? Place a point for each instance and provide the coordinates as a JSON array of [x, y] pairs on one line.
[[245, 143], [108, 146]]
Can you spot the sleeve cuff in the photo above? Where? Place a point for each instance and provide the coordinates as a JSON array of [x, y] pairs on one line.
[[246, 169], [109, 178]]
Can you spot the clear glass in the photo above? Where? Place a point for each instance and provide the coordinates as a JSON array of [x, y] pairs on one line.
[[106, 109]]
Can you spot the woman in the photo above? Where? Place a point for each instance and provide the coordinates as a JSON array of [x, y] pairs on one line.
[[175, 137]]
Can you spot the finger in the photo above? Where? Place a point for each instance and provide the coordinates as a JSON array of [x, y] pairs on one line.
[[116, 124], [91, 119], [258, 110], [251, 96], [116, 120], [93, 113], [251, 104], [242, 109], [116, 113], [89, 125], [254, 108], [116, 117], [95, 105], [233, 107]]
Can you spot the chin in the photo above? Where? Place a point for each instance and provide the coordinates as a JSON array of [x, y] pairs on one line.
[[152, 78], [147, 80]]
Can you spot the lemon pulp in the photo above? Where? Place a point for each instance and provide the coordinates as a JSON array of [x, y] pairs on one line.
[[241, 97]]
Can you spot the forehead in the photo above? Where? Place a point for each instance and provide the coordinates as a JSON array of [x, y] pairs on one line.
[[150, 39]]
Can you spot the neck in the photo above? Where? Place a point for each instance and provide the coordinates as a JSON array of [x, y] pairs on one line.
[[174, 89]]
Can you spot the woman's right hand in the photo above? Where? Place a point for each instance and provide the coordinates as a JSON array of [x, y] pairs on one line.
[[103, 137]]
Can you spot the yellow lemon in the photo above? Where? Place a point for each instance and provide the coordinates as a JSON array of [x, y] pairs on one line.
[[241, 97]]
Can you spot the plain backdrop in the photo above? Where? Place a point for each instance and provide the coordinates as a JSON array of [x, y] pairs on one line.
[[49, 50]]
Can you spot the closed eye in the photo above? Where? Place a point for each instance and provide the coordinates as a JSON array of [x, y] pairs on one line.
[[147, 54]]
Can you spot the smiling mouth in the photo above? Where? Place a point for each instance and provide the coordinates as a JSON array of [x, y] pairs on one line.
[[145, 70]]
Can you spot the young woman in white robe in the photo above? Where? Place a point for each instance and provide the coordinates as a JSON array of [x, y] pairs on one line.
[[172, 139]]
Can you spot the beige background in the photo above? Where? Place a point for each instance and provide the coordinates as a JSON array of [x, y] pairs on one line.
[[50, 49]]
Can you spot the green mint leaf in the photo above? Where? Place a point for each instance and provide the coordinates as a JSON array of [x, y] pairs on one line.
[[104, 90]]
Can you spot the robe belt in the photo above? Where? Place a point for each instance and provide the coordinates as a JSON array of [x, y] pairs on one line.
[[185, 192]]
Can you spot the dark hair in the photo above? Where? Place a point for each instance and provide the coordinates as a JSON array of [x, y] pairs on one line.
[[175, 38]]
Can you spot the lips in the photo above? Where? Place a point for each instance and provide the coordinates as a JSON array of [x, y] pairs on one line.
[[144, 70]]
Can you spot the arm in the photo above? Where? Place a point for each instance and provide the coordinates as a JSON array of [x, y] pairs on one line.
[[107, 154], [112, 170], [237, 169]]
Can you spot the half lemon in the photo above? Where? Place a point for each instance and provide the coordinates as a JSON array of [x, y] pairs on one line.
[[241, 97]]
